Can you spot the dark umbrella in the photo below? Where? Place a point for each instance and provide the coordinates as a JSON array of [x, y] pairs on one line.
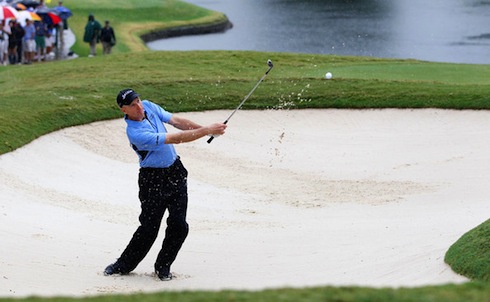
[[29, 3], [19, 6], [63, 12], [49, 16]]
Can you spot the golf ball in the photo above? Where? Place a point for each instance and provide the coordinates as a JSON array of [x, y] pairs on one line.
[[328, 75]]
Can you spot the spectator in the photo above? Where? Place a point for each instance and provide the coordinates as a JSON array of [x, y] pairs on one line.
[[19, 34], [60, 8], [41, 5], [108, 38], [29, 41], [41, 30], [92, 34], [4, 42], [64, 14], [50, 40], [12, 44]]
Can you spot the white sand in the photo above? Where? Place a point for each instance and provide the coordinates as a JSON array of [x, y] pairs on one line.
[[285, 198]]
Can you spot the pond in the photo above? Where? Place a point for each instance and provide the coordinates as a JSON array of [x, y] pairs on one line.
[[454, 31]]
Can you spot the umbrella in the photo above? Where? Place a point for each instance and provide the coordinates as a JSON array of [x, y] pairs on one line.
[[20, 6], [63, 12], [49, 16], [25, 14], [7, 12], [29, 3]]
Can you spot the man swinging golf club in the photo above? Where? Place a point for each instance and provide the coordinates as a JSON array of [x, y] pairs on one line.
[[162, 180]]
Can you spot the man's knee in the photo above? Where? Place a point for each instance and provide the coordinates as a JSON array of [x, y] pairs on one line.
[[179, 227]]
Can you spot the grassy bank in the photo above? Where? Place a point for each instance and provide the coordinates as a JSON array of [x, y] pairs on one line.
[[41, 98], [470, 255], [66, 93], [448, 293]]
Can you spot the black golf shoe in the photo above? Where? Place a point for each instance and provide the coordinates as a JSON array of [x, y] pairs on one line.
[[164, 274], [115, 268]]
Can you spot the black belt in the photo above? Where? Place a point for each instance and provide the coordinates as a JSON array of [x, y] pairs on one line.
[[177, 160]]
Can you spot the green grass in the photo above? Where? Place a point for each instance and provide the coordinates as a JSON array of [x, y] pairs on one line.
[[42, 98], [470, 255], [74, 92], [132, 18], [474, 291]]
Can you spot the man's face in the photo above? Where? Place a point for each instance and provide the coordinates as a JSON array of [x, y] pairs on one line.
[[135, 111]]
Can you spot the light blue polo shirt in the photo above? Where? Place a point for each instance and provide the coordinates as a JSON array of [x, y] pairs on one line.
[[147, 137]]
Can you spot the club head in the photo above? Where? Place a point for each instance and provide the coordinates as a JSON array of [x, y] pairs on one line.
[[269, 62]]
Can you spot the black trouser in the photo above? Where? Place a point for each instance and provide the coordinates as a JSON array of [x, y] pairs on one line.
[[160, 189], [19, 51]]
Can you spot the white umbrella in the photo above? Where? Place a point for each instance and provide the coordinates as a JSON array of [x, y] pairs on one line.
[[25, 14], [8, 12]]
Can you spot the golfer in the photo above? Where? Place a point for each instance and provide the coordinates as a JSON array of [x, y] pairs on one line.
[[162, 180]]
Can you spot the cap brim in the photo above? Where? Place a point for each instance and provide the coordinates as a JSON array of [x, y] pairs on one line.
[[130, 98]]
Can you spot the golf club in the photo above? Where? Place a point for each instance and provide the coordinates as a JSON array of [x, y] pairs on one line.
[[269, 63]]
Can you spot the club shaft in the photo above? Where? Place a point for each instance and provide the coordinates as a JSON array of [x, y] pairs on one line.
[[243, 101], [246, 97]]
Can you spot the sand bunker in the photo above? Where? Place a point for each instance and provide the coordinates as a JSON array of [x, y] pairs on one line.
[[285, 198]]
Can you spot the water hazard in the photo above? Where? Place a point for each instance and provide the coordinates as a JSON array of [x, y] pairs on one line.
[[437, 30]]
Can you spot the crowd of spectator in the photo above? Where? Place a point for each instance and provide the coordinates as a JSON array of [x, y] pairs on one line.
[[33, 39]]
